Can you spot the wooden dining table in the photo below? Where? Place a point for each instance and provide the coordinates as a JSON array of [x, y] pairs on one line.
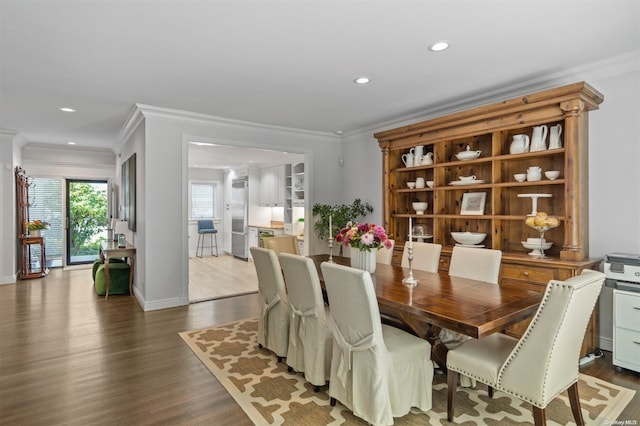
[[474, 308]]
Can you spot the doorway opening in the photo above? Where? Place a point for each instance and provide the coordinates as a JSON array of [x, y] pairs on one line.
[[87, 213]]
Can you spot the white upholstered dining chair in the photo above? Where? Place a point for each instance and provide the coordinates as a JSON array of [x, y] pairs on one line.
[[310, 340], [385, 255], [544, 362], [273, 325], [426, 256], [377, 371], [475, 263]]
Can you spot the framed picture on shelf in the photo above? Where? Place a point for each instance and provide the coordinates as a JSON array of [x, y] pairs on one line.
[[473, 203]]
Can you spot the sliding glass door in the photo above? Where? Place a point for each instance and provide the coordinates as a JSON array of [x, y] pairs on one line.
[[87, 211]]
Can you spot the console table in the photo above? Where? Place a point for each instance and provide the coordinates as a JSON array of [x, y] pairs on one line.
[[26, 269], [110, 249]]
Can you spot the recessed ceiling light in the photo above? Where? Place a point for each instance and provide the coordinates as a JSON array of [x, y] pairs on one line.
[[67, 109], [362, 80], [71, 143], [439, 46], [338, 132]]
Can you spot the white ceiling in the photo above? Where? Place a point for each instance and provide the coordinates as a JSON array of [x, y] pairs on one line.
[[285, 63]]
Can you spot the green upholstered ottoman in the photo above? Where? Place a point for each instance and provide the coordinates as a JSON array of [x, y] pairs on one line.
[[119, 279], [97, 263]]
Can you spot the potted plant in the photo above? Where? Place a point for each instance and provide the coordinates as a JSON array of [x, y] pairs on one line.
[[34, 227], [341, 214]]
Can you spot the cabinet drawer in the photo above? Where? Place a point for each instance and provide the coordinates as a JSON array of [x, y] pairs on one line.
[[627, 310], [627, 346], [527, 273]]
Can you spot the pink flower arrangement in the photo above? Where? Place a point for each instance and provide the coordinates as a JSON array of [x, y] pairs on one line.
[[363, 237]]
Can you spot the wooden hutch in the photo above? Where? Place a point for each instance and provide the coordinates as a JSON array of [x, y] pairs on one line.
[[490, 129]]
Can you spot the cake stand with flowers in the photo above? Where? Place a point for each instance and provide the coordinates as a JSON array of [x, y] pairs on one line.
[[541, 222]]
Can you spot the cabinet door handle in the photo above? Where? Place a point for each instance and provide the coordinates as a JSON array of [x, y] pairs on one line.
[[637, 343], [637, 308], [525, 273]]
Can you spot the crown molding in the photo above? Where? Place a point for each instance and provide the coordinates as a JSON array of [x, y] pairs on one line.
[[606, 68], [211, 120], [130, 125]]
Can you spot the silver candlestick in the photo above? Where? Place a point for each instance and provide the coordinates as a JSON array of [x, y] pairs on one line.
[[410, 279], [330, 250]]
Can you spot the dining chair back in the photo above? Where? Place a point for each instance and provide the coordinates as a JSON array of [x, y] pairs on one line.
[[206, 227], [377, 371], [544, 362], [310, 339], [426, 256], [385, 255], [476, 264], [273, 324], [282, 244]]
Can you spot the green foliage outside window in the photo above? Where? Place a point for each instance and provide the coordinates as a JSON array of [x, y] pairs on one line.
[[88, 217]]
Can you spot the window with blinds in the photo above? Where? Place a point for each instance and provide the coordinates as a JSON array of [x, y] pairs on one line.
[[202, 200], [46, 204]]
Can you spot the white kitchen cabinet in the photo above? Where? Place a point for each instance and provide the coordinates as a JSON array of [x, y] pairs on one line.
[[626, 329], [272, 186], [253, 238]]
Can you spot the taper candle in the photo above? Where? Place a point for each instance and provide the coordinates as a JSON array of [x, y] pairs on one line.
[[410, 232], [330, 228]]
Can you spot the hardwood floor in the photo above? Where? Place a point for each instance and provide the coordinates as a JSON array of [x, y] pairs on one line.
[[69, 357], [212, 277]]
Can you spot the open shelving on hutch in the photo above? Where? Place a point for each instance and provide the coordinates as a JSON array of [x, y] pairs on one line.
[[490, 129]]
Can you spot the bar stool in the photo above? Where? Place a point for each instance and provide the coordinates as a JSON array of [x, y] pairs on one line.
[[206, 227]]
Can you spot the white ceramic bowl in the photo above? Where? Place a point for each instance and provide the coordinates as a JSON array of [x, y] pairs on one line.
[[411, 185], [430, 183], [467, 178], [520, 177], [468, 155], [469, 238], [420, 207], [552, 174]]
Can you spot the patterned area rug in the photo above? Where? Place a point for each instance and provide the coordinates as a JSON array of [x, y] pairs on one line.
[[271, 395]]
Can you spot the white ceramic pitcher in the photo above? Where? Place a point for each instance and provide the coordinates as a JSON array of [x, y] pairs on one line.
[[417, 154], [554, 136], [427, 159], [407, 159], [519, 144], [539, 138]]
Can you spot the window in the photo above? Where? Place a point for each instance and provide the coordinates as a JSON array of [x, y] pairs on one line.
[[46, 203], [203, 200]]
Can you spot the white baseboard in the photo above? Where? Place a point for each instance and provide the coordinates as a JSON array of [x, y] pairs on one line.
[[9, 279], [606, 344], [162, 304]]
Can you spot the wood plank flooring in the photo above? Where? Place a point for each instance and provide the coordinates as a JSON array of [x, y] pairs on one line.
[[69, 357], [212, 277]]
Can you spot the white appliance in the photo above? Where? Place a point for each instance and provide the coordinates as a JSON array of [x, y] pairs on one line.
[[622, 272], [239, 231]]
